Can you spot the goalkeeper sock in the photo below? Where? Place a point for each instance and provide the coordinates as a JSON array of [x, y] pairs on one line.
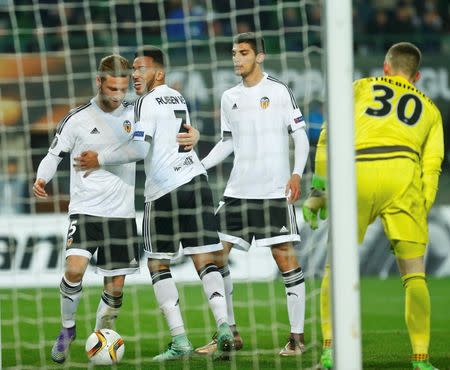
[[166, 294], [325, 313], [228, 285], [215, 292], [108, 310], [295, 296], [417, 312], [70, 295]]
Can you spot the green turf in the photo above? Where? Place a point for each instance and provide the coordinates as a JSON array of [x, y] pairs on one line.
[[385, 340]]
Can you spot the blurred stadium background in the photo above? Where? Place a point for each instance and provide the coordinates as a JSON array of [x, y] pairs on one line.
[[49, 52]]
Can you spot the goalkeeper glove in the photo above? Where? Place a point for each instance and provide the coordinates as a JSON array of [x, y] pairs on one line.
[[316, 202]]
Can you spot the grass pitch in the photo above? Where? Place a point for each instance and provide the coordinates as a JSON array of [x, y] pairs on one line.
[[30, 323]]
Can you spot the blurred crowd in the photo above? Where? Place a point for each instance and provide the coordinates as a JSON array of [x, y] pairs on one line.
[[295, 24]]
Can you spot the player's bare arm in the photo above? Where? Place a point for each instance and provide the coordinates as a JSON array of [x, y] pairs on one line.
[[188, 139], [294, 188], [38, 189]]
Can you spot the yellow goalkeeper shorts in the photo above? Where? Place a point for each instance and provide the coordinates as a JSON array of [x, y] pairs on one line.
[[392, 190]]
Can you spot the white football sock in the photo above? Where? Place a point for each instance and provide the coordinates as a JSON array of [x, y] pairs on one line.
[[295, 296], [215, 292], [70, 295], [166, 294], [228, 285], [107, 311]]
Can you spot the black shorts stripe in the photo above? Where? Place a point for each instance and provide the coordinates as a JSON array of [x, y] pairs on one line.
[[294, 103], [74, 111]]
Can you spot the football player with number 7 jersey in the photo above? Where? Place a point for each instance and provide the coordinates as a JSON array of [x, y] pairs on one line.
[[179, 208]]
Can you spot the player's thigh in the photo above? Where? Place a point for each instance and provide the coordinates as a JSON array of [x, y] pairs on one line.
[[272, 221], [120, 249], [367, 181], [85, 235], [404, 217]]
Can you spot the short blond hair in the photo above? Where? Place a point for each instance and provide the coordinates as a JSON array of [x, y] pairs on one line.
[[114, 65], [404, 57]]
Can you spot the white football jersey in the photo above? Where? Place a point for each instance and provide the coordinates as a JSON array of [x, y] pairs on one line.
[[108, 191], [160, 116], [259, 119]]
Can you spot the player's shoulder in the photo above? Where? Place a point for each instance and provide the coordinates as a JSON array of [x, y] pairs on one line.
[[279, 87], [73, 116]]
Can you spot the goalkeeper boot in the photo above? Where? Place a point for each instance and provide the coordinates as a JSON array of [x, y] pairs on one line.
[[423, 365], [326, 359], [61, 346], [211, 347], [179, 348], [225, 342], [294, 346]]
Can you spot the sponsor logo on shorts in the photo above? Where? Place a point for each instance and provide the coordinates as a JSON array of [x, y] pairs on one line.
[[284, 230], [138, 134], [69, 242]]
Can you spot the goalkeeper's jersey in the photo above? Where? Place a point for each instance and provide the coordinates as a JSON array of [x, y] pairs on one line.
[[391, 115], [160, 116], [109, 191], [259, 119]]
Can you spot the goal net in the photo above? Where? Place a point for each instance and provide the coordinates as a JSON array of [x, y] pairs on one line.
[[49, 54]]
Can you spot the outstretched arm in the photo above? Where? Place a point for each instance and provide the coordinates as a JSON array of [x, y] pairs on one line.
[[131, 151], [217, 154]]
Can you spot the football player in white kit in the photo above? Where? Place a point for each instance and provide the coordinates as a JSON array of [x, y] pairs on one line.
[[179, 206], [101, 209], [257, 118]]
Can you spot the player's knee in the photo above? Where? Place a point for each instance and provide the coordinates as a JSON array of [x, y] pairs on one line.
[[74, 276]]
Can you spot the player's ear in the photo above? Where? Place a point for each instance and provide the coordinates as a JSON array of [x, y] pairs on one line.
[[416, 77], [260, 58], [98, 82], [386, 68], [160, 75]]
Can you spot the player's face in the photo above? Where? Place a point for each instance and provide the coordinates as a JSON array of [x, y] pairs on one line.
[[244, 59], [144, 74], [112, 91]]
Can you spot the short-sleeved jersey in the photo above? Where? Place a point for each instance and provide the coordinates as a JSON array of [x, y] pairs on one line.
[[160, 116], [390, 112], [109, 191], [259, 119]]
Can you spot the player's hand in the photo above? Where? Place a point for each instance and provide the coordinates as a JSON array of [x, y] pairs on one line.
[[38, 189], [188, 139], [86, 161], [316, 204], [293, 188]]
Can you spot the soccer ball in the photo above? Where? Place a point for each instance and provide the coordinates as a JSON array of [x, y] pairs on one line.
[[105, 347]]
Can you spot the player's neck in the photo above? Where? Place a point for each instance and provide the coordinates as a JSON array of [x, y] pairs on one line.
[[253, 78]]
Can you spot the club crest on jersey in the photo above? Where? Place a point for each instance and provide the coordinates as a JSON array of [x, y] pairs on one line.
[[264, 102], [127, 126]]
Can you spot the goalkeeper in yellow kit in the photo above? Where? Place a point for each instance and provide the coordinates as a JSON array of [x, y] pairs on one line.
[[399, 149]]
